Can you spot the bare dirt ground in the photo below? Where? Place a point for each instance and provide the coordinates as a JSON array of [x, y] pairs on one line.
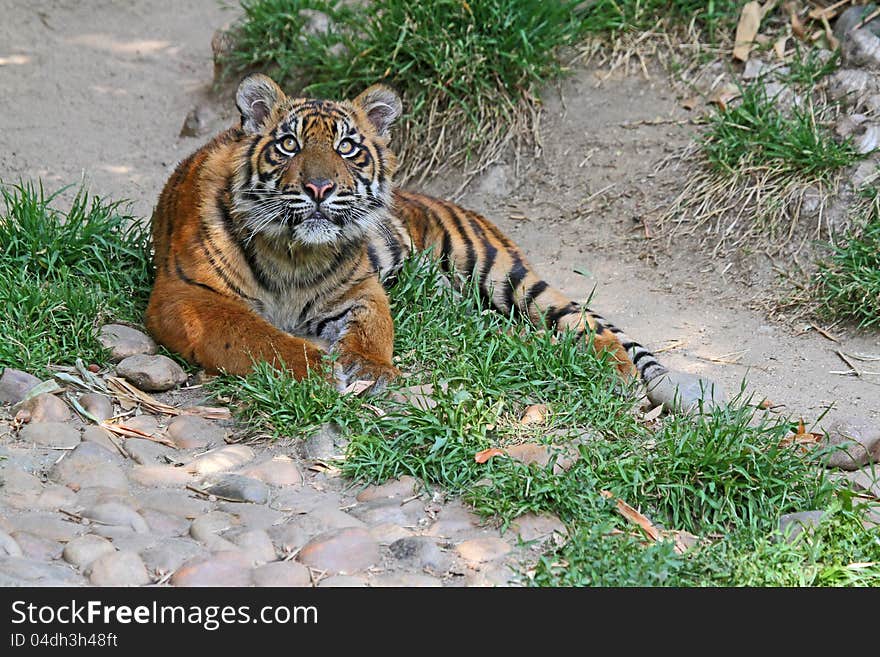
[[101, 89]]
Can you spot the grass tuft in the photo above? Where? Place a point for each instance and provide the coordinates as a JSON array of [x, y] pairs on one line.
[[848, 282], [723, 476], [63, 274], [468, 72], [759, 164]]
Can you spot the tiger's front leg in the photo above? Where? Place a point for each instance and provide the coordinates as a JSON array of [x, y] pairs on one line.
[[366, 340]]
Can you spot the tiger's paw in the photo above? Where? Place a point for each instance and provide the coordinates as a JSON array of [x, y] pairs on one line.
[[350, 368], [680, 391]]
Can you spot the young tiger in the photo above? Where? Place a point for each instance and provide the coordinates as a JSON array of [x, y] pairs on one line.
[[273, 240]]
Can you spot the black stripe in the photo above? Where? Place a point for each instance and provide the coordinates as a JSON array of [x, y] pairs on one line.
[[320, 326], [555, 314], [629, 345], [640, 356], [375, 262], [186, 279], [470, 255], [514, 278], [533, 293]]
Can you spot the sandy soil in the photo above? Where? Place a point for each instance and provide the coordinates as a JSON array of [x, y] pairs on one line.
[[100, 89]]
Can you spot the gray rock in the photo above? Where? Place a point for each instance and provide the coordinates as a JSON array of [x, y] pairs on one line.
[[160, 476], [456, 521], [100, 437], [47, 525], [164, 524], [849, 85], [387, 533], [220, 569], [207, 528], [325, 445], [277, 471], [114, 513], [45, 408], [37, 547], [193, 432], [99, 406], [221, 460], [325, 518], [683, 391], [89, 465], [132, 542], [152, 373], [852, 17], [537, 527], [860, 49], [257, 545], [83, 550], [792, 525], [421, 552], [867, 479], [481, 550], [282, 573], [853, 443], [123, 341], [342, 551], [145, 422], [253, 516], [393, 489], [170, 554], [288, 537], [14, 385], [754, 68], [37, 573], [240, 488], [148, 452], [379, 511], [8, 546], [176, 503], [57, 435], [118, 569], [302, 499]]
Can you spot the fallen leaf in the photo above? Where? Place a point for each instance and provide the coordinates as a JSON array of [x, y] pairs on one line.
[[535, 414], [747, 30], [817, 13], [797, 25], [724, 95], [653, 414], [690, 103], [358, 387], [486, 454], [802, 438], [779, 47]]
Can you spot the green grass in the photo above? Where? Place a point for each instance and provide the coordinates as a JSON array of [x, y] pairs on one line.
[[722, 476], [63, 274], [755, 133], [713, 17], [467, 71], [848, 283]]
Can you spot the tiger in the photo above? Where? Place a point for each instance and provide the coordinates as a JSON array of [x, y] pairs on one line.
[[276, 241]]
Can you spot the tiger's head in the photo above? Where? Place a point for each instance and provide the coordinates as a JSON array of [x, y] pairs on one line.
[[313, 172]]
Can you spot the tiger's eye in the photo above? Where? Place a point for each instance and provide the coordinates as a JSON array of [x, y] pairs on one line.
[[346, 147], [288, 145]]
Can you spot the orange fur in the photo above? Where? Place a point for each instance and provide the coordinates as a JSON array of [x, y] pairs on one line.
[[271, 242]]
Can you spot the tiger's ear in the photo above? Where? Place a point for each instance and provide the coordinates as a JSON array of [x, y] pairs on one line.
[[257, 96], [382, 106]]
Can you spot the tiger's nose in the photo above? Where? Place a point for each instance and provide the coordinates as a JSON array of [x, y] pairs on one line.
[[319, 188]]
